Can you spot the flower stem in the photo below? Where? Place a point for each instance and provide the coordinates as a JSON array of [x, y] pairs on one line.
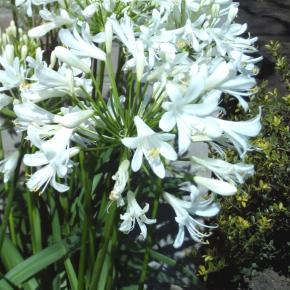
[[109, 225], [85, 224]]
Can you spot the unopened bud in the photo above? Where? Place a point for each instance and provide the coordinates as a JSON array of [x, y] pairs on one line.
[[24, 51], [9, 53], [70, 80], [109, 36], [52, 59]]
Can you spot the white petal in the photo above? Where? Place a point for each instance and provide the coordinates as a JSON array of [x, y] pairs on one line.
[[41, 30], [167, 121], [131, 142], [142, 128], [137, 160], [174, 91], [35, 159], [180, 237], [167, 151]]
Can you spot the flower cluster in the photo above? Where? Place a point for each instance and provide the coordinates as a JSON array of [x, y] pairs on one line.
[[176, 62]]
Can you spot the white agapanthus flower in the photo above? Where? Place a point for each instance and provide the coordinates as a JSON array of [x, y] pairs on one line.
[[53, 157], [8, 165], [185, 210], [183, 111], [54, 21], [233, 173], [81, 45], [12, 74], [152, 145], [28, 4], [133, 214]]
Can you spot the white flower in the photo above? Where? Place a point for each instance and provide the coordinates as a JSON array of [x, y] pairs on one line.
[[4, 100], [81, 45], [53, 158], [121, 177], [12, 74], [29, 113], [239, 132], [28, 4], [8, 165], [184, 209], [54, 21], [66, 56], [151, 145], [125, 32], [135, 213], [188, 116], [216, 185], [225, 170]]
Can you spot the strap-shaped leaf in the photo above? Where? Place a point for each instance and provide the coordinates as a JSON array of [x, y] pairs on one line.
[[34, 264]]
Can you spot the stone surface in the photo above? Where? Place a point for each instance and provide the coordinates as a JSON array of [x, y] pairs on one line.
[[269, 280]]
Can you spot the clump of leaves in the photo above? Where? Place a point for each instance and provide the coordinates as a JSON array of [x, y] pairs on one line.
[[254, 224]]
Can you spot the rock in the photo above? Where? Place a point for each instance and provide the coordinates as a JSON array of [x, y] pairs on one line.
[[269, 280]]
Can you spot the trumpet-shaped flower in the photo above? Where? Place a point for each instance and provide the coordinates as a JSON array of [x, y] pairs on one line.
[[54, 21], [150, 144], [53, 157], [184, 209], [239, 132], [125, 33], [233, 173], [188, 117], [12, 74], [135, 213], [81, 45]]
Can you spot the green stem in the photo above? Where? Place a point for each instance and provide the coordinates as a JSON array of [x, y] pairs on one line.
[[85, 225], [103, 247], [149, 241]]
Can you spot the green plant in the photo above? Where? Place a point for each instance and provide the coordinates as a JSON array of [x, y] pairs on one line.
[[254, 224]]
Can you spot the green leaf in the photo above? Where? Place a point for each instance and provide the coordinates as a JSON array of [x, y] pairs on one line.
[[96, 181], [10, 258], [34, 264], [162, 258]]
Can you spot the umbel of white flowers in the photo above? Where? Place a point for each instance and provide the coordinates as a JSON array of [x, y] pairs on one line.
[[187, 56]]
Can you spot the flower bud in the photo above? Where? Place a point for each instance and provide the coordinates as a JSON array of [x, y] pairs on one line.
[[70, 80], [52, 59], [140, 60], [9, 53], [24, 51], [109, 36]]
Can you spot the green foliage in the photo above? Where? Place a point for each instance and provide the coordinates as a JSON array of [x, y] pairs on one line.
[[254, 224]]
